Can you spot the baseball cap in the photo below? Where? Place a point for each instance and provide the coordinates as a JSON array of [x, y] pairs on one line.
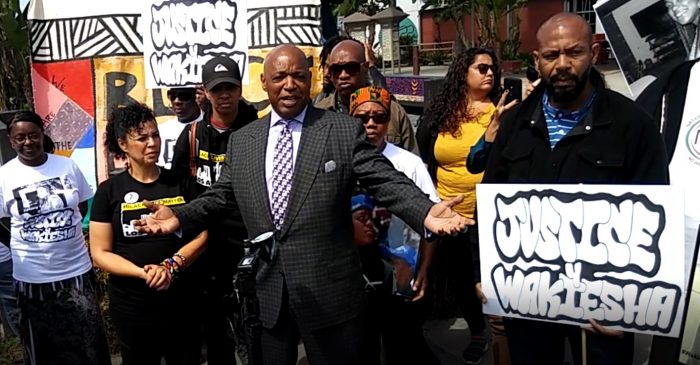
[[218, 70]]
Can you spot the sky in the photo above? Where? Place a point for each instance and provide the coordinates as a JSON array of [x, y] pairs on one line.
[[23, 3]]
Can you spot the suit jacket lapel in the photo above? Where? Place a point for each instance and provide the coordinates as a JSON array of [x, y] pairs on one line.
[[311, 146], [256, 165]]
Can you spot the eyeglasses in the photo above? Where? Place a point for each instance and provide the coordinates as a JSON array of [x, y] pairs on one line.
[[22, 138], [351, 68], [184, 96], [484, 68], [379, 118]]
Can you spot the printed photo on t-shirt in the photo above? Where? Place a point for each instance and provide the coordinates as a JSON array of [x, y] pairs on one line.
[[206, 175], [45, 202], [132, 210]]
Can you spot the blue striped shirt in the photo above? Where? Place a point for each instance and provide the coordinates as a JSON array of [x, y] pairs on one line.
[[559, 123]]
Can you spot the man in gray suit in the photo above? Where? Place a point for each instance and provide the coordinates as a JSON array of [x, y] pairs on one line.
[[292, 172]]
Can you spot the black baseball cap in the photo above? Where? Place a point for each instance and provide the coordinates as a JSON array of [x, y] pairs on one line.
[[218, 70]]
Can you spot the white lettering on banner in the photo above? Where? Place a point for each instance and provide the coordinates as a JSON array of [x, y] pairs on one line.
[[184, 35], [621, 234], [50, 227], [536, 294], [579, 252]]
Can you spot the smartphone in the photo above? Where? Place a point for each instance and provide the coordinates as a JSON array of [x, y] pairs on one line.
[[515, 89]]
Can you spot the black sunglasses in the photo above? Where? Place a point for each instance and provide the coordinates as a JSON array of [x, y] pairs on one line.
[[484, 68], [379, 118], [351, 68], [184, 96]]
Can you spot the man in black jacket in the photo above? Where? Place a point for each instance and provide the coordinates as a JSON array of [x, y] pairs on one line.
[[572, 130], [199, 155]]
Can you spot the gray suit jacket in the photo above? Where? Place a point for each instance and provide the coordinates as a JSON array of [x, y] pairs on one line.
[[315, 256]]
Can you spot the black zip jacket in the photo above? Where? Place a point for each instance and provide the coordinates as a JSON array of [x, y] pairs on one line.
[[616, 143], [228, 231]]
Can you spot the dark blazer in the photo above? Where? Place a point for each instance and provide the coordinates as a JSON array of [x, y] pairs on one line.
[[315, 256]]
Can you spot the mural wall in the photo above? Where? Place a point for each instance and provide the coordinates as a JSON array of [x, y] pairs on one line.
[[88, 56]]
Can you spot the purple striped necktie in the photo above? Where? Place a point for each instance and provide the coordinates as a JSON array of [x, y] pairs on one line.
[[282, 170]]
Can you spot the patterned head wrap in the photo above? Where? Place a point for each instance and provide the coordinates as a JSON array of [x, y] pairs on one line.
[[370, 93]]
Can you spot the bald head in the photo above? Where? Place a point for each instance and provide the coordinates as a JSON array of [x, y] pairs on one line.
[[564, 23], [347, 67], [349, 49], [564, 57], [287, 80], [286, 51]]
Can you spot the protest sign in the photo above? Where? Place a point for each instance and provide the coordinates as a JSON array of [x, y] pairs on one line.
[[181, 36], [88, 57], [648, 37], [570, 253], [690, 338]]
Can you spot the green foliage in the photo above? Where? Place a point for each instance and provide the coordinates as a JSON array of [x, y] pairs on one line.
[[436, 58], [451, 10], [10, 351], [15, 84], [368, 7], [489, 14], [526, 58]]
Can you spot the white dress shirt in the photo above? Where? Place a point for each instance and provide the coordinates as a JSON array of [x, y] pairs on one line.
[[272, 137]]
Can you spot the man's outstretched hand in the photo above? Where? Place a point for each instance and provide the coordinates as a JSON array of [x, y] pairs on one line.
[[162, 220], [441, 219]]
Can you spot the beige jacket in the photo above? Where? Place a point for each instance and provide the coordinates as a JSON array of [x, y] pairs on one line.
[[400, 130]]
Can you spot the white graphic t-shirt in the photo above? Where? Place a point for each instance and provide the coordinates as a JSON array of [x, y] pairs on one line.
[[46, 226], [684, 170], [684, 167], [400, 236], [170, 131]]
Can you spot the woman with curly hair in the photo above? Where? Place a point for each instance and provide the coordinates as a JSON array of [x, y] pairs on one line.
[[455, 120], [152, 298]]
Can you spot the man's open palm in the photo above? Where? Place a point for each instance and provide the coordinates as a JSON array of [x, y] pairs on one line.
[[162, 220], [442, 219]]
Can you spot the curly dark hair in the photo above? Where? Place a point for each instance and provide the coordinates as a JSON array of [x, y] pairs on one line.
[[449, 108], [122, 121]]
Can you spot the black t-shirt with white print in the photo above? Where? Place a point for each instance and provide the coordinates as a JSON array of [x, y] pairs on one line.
[[118, 201]]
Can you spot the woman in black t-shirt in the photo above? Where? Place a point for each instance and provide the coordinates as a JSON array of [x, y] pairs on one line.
[[152, 301]]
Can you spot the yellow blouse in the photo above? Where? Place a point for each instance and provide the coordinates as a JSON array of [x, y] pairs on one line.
[[451, 156]]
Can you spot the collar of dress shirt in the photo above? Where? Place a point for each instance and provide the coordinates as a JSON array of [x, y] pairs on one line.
[[274, 117]]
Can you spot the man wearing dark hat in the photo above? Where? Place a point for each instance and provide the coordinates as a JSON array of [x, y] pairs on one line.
[[199, 155]]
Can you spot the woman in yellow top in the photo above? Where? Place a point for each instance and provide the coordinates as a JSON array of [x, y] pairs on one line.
[[455, 120]]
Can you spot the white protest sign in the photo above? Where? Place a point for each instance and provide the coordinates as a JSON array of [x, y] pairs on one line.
[[180, 36], [570, 253]]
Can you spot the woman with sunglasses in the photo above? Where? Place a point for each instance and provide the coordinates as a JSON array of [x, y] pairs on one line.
[[153, 298], [455, 120], [395, 306], [46, 197]]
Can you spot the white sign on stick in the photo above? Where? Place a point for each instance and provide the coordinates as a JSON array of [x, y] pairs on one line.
[[570, 253], [180, 36]]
